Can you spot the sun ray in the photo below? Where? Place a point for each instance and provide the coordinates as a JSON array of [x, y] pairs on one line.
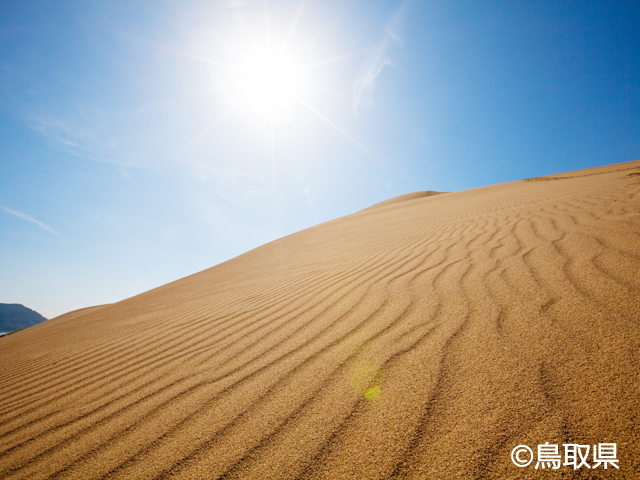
[[206, 60], [312, 39], [248, 32], [220, 39], [296, 18], [273, 169], [328, 61], [193, 57], [202, 25], [320, 89], [356, 142], [195, 139], [266, 26]]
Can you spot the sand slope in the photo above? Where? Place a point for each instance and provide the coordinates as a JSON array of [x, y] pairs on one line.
[[417, 339]]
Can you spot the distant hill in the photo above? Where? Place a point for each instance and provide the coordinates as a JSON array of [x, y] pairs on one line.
[[14, 316]]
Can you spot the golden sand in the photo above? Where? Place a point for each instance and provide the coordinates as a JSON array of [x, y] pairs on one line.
[[423, 338]]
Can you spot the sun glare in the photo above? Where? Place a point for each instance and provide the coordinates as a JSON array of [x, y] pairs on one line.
[[269, 75], [269, 81]]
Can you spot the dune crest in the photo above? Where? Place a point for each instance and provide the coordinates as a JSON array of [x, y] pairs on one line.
[[404, 198], [425, 340]]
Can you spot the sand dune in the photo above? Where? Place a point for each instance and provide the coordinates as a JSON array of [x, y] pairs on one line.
[[418, 339], [404, 198]]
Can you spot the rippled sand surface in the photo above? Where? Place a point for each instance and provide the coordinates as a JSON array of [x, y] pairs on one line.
[[424, 337]]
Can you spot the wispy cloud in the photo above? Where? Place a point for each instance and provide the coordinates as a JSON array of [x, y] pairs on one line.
[[378, 58], [137, 137], [29, 218], [74, 140]]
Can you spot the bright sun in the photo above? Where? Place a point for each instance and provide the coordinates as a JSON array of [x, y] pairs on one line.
[[268, 81], [264, 72], [268, 74]]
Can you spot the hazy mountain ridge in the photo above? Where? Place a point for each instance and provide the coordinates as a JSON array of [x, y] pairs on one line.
[[14, 316]]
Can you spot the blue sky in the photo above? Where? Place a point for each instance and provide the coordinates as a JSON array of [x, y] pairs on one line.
[[142, 141]]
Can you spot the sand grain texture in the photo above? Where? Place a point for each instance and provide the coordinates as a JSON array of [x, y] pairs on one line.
[[422, 338]]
